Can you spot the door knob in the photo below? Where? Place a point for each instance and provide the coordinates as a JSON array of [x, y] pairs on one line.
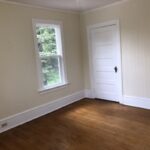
[[116, 69]]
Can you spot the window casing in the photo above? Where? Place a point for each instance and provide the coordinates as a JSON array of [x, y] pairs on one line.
[[49, 54]]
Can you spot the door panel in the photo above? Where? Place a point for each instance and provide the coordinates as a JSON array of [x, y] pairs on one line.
[[104, 56], [103, 51]]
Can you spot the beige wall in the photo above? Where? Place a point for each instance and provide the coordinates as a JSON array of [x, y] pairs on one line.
[[134, 16], [18, 77]]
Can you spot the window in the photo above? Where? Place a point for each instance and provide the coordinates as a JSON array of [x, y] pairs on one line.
[[49, 52]]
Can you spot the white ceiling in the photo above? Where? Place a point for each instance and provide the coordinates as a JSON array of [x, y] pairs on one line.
[[71, 5]]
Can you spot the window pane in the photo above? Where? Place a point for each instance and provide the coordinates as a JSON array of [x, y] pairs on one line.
[[46, 37], [50, 55], [51, 71]]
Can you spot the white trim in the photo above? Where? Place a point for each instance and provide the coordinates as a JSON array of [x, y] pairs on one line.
[[139, 102], [43, 21], [103, 7], [52, 89], [63, 10], [120, 82], [88, 94], [31, 114], [40, 7], [60, 40]]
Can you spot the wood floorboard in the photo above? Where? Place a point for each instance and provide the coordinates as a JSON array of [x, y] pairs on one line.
[[85, 125]]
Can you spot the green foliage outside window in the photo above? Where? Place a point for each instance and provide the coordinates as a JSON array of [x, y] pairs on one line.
[[47, 50]]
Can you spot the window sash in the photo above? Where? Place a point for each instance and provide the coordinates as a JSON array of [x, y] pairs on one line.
[[62, 69]]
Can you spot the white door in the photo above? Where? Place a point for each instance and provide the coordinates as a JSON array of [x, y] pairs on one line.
[[105, 62]]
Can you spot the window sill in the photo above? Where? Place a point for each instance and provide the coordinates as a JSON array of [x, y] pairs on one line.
[[52, 89]]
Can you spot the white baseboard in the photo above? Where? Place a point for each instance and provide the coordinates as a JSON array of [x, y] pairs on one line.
[[28, 115], [88, 93], [31, 114], [137, 102]]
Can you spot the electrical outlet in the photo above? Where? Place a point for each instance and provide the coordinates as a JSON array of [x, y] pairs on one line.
[[4, 125]]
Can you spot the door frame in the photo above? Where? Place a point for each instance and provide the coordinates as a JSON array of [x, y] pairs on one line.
[[119, 57]]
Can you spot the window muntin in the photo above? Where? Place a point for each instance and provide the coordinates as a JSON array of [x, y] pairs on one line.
[[50, 55]]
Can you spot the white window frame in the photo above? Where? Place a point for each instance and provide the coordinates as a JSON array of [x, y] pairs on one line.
[[61, 55]]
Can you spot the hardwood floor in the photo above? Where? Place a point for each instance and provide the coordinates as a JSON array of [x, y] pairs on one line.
[[85, 125]]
